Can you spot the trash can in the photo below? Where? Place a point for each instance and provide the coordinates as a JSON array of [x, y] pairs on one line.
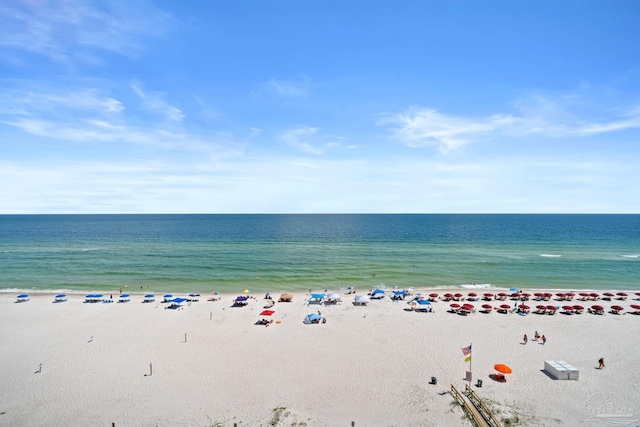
[[479, 383], [434, 380]]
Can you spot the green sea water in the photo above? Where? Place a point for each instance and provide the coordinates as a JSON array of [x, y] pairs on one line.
[[229, 253]]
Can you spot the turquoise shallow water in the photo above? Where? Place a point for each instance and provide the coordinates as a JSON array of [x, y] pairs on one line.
[[228, 253]]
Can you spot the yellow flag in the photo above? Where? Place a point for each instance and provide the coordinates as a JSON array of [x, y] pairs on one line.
[[468, 358]]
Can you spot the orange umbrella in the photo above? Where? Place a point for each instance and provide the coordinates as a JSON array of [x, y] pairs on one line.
[[502, 368]]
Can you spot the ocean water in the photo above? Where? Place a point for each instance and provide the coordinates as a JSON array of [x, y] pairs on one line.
[[229, 253]]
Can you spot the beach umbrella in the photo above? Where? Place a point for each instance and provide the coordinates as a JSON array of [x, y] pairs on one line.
[[487, 296], [286, 297], [578, 307], [434, 296], [523, 307], [635, 306], [362, 299], [454, 306], [622, 295], [617, 308], [503, 369], [22, 297], [61, 297], [241, 298], [424, 302], [597, 307], [333, 296], [514, 290]]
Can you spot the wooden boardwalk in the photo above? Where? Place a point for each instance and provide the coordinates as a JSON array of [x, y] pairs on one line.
[[479, 413]]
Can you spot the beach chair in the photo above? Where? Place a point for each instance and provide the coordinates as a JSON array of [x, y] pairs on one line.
[[22, 298]]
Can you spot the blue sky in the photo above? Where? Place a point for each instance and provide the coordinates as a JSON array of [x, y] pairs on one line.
[[326, 106]]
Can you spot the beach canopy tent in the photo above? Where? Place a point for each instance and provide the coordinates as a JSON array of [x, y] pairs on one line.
[[286, 297], [398, 295], [377, 294], [149, 298], [361, 300], [312, 318], [316, 298], [60, 298], [423, 302], [240, 301], [333, 298], [178, 300], [22, 298], [194, 297]]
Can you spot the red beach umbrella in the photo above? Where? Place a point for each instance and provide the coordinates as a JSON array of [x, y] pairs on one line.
[[505, 306], [567, 307], [538, 294], [488, 295], [467, 307], [636, 306], [454, 306], [488, 307], [617, 308], [524, 307], [561, 295], [448, 295], [578, 307], [594, 295], [433, 295], [584, 294], [551, 307], [541, 307], [597, 307], [607, 294]]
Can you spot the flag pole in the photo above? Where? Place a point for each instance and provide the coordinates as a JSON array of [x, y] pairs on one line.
[[470, 359]]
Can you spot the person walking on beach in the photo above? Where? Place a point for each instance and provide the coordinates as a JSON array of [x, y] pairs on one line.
[[601, 363], [525, 339], [536, 337], [544, 340]]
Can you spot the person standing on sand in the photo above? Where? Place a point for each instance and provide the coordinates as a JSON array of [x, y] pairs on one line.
[[601, 363], [544, 340], [525, 339]]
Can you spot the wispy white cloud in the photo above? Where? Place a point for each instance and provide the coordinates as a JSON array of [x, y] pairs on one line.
[[68, 31], [288, 88], [254, 132], [94, 116], [273, 184], [420, 127], [154, 102], [307, 139]]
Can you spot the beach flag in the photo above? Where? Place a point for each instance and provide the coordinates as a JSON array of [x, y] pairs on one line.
[[468, 358], [468, 377], [467, 351]]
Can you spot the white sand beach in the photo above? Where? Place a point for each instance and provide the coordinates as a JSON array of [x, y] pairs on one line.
[[368, 365]]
